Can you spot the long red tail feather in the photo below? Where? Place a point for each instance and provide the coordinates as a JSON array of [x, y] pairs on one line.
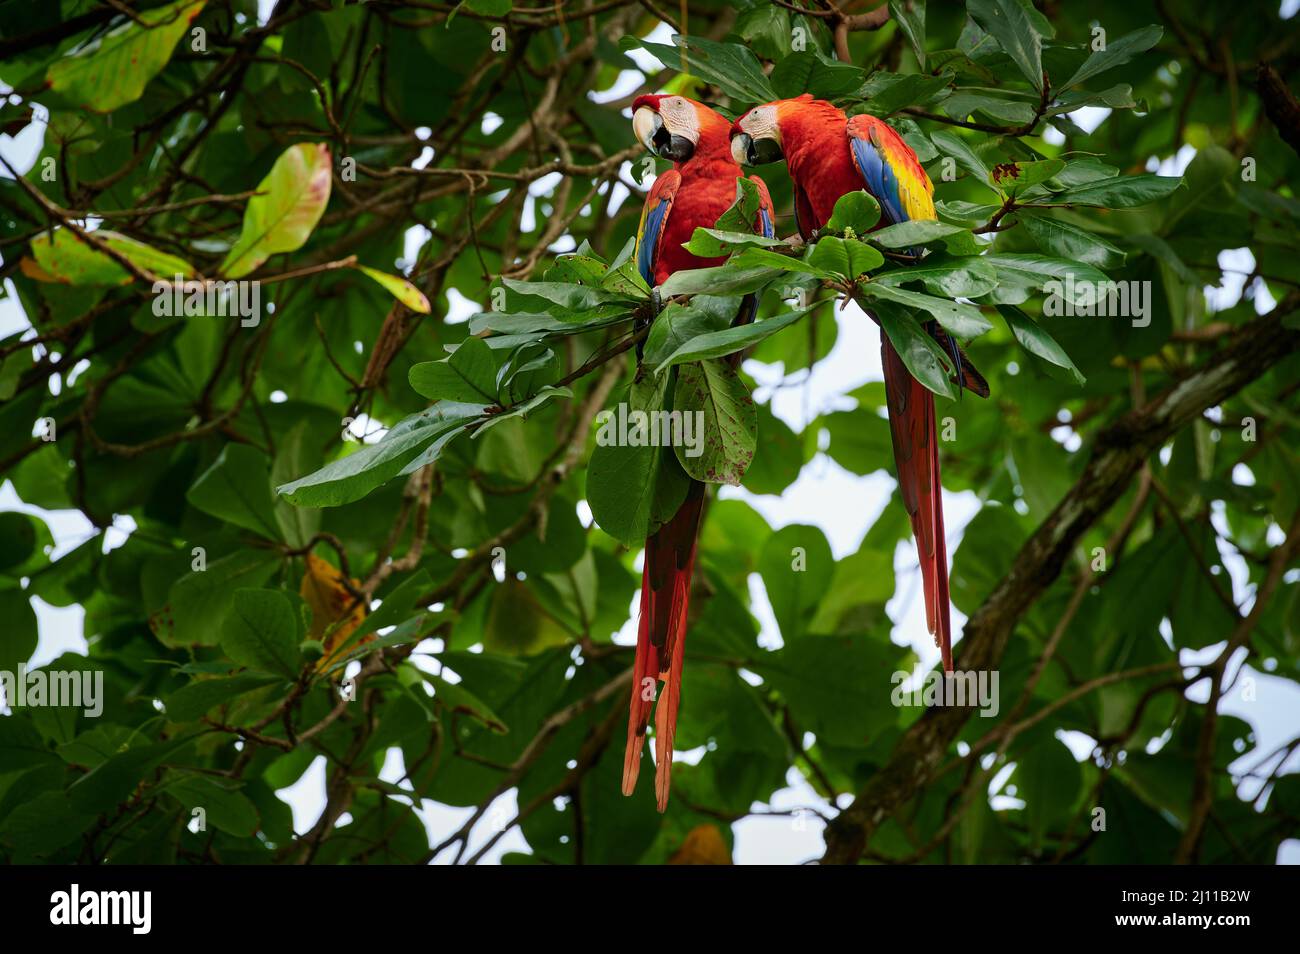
[[661, 641], [916, 453]]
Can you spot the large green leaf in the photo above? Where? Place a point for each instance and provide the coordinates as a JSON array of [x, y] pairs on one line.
[[237, 488], [1036, 341], [796, 565], [281, 217], [1116, 53], [713, 394], [958, 318], [114, 71], [634, 486], [1060, 238], [198, 602], [717, 344], [966, 276], [469, 375], [847, 258], [418, 438], [261, 632], [65, 258], [1124, 192], [1009, 23], [18, 637], [922, 356], [732, 67]]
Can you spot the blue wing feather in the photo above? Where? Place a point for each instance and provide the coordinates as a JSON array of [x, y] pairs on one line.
[[879, 179], [649, 241]]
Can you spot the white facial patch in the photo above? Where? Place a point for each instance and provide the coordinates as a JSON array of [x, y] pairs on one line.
[[679, 116], [760, 123]]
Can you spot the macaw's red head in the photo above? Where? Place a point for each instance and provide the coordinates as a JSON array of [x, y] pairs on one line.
[[677, 128], [758, 136]]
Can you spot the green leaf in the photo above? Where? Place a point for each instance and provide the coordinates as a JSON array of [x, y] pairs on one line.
[[198, 698], [197, 603], [886, 93], [1048, 779], [729, 279], [18, 636], [718, 344], [420, 437], [711, 243], [1058, 237], [237, 489], [847, 258], [1125, 192], [468, 375], [633, 486], [914, 232], [281, 217], [1036, 341], [953, 145], [957, 318], [678, 324], [568, 295], [731, 67], [964, 276], [564, 323], [810, 71], [1023, 276], [68, 260], [796, 565], [115, 71], [224, 806], [1010, 24], [261, 632], [1116, 53], [742, 213], [1013, 177], [922, 356], [456, 698], [399, 288], [713, 394], [858, 211], [910, 18]]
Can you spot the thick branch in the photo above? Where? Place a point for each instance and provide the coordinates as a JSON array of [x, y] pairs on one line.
[[1119, 454]]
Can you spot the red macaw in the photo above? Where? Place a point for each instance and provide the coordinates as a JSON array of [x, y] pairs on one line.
[[829, 155], [693, 194]]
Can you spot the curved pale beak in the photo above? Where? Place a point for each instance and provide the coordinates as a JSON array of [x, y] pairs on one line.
[[646, 124], [655, 135], [748, 151]]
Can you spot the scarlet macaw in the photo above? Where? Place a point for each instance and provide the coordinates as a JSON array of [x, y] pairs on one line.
[[830, 155], [699, 188]]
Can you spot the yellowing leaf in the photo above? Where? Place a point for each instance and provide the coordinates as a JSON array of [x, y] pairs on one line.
[[323, 590], [289, 203], [114, 71], [62, 257], [704, 845], [400, 288]]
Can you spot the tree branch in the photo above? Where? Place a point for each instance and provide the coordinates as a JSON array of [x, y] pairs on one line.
[[1119, 454]]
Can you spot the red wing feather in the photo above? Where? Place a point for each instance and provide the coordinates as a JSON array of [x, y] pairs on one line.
[[916, 453], [661, 639]]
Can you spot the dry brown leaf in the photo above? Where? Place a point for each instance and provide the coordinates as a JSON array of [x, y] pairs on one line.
[[324, 592], [704, 845]]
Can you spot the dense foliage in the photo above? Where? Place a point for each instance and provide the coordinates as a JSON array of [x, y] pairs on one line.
[[345, 542]]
